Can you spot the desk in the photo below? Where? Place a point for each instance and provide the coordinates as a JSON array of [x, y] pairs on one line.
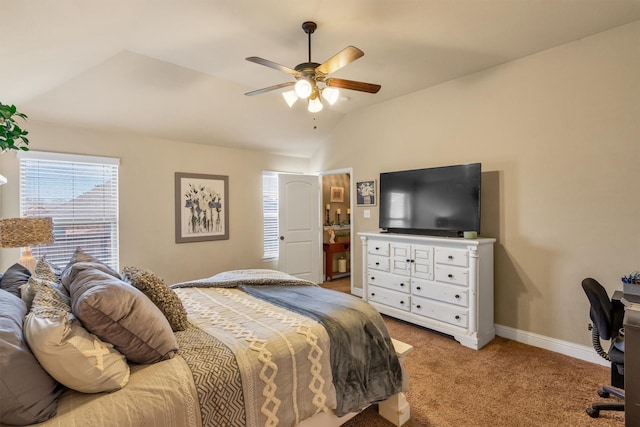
[[631, 354], [330, 249], [632, 351]]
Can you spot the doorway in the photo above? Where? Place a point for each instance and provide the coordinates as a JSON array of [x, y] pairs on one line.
[[337, 225]]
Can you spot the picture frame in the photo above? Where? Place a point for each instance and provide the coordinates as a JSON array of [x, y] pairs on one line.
[[201, 207], [366, 193], [337, 194]]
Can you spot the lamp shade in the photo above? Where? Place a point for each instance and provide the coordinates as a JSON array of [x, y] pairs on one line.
[[303, 89], [315, 105], [290, 97], [20, 232], [331, 94]]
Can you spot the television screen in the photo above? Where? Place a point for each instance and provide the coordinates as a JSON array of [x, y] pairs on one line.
[[442, 201]]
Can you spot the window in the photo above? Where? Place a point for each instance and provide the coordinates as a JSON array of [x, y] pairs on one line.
[[270, 214], [80, 193]]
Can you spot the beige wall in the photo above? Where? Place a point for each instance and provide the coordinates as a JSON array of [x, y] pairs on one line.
[[558, 137], [147, 167]]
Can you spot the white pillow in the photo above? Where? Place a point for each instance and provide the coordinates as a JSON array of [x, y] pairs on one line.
[[66, 350]]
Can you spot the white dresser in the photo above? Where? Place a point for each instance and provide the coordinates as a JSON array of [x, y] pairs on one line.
[[441, 283]]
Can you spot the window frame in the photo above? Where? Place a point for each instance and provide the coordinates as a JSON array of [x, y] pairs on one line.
[[73, 226]]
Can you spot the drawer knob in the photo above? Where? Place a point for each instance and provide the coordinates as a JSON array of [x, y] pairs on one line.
[[418, 287], [373, 278], [377, 263], [450, 257], [457, 296], [373, 294], [418, 306], [450, 276], [401, 285], [377, 248], [408, 260], [401, 302], [457, 317]]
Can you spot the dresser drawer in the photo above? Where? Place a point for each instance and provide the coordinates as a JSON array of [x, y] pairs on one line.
[[457, 276], [450, 294], [388, 297], [452, 257], [389, 281], [443, 312], [377, 262], [378, 247]]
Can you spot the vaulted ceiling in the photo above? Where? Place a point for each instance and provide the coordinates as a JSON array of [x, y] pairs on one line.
[[177, 69]]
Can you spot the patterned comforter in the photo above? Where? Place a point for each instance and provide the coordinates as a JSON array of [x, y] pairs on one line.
[[243, 362], [282, 357]]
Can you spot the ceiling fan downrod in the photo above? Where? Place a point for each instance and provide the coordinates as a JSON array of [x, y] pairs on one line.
[[309, 27]]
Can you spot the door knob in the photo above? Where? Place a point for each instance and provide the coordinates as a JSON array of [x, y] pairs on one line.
[[281, 237]]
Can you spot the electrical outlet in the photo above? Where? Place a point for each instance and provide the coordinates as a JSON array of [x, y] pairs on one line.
[[366, 213]]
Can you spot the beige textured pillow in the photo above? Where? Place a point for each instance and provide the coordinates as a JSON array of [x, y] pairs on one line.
[[160, 294], [68, 352]]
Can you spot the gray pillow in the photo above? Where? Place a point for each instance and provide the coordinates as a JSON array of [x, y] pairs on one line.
[[15, 276], [119, 314], [160, 294], [80, 260], [28, 393]]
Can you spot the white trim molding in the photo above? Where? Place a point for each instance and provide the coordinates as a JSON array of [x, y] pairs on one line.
[[582, 352]]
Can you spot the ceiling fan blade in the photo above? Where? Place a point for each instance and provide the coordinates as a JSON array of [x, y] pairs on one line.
[[270, 88], [353, 85], [273, 65], [345, 57]]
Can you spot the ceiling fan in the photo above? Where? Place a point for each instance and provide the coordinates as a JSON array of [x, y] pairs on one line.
[[310, 74]]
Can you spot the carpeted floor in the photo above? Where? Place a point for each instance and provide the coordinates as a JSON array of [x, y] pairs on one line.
[[505, 383]]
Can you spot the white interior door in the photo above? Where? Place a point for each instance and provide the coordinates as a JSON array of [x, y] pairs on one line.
[[299, 226]]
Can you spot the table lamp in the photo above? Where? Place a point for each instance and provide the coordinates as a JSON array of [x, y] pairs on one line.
[[24, 232]]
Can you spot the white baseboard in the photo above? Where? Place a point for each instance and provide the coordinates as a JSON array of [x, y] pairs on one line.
[[578, 351]]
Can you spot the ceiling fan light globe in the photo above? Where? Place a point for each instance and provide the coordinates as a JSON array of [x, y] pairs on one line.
[[290, 97], [330, 94], [303, 89], [315, 105]]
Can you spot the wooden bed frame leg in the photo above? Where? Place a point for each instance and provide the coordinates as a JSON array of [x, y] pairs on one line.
[[395, 409]]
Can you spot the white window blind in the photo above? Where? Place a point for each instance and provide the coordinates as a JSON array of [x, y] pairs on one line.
[[270, 214], [80, 193]]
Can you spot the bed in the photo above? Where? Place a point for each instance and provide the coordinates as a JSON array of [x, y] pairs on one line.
[[255, 348]]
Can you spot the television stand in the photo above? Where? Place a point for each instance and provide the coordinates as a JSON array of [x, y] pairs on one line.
[[441, 283]]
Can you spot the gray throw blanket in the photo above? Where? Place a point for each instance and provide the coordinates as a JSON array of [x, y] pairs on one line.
[[364, 364]]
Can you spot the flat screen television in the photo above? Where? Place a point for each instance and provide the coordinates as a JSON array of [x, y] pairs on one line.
[[442, 201]]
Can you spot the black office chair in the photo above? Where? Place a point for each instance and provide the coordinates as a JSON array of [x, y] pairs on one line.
[[607, 317]]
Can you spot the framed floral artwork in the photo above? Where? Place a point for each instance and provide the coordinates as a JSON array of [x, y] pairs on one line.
[[366, 193], [202, 207]]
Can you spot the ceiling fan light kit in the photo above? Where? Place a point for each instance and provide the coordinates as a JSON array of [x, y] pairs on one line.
[[310, 74]]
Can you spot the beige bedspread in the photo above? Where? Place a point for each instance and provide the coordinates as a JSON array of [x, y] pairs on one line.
[[158, 395], [283, 356]]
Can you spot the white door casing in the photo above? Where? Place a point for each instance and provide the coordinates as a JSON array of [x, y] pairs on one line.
[[299, 226]]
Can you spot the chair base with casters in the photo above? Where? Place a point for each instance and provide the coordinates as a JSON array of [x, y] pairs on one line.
[[606, 316], [605, 392]]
